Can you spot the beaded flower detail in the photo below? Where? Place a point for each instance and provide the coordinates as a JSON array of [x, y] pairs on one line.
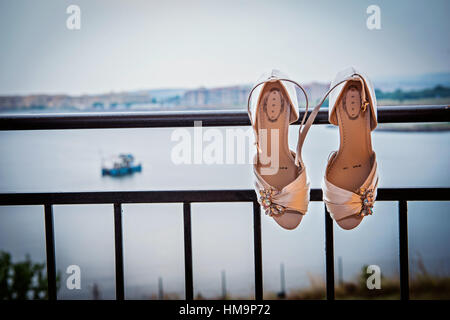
[[271, 208], [368, 201]]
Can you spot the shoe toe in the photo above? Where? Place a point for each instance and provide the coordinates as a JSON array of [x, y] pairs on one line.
[[289, 220], [350, 222]]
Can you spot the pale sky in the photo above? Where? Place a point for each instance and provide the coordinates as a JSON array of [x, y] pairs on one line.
[[131, 44]]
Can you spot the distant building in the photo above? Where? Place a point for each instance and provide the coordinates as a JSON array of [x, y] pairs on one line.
[[223, 97], [220, 97]]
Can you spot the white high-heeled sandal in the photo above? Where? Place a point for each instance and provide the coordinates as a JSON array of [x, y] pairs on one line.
[[282, 185], [351, 178]]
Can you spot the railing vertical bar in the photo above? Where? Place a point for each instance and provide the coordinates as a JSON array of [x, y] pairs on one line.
[[189, 286], [50, 251], [329, 254], [118, 236], [403, 249], [257, 250]]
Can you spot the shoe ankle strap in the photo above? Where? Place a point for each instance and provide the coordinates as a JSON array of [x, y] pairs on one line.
[[312, 116], [272, 78]]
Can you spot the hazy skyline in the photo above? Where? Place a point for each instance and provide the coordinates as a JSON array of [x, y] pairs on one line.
[[131, 45]]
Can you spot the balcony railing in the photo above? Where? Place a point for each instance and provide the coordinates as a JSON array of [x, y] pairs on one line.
[[208, 118]]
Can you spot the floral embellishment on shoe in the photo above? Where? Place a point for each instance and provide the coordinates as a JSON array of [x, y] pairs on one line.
[[271, 208], [367, 200]]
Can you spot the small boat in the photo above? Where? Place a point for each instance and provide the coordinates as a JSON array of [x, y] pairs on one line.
[[120, 165]]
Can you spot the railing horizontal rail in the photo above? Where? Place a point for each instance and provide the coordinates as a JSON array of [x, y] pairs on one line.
[[154, 119], [246, 195]]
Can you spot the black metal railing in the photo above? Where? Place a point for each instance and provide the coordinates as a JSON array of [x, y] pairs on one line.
[[103, 120], [176, 119]]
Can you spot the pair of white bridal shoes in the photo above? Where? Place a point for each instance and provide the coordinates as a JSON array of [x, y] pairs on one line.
[[281, 182]]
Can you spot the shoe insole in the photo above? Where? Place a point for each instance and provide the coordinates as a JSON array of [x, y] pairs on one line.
[[354, 159], [273, 116]]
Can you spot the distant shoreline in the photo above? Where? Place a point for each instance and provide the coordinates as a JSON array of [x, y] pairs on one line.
[[410, 127], [414, 127]]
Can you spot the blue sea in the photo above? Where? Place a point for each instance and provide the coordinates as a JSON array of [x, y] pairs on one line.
[[70, 160]]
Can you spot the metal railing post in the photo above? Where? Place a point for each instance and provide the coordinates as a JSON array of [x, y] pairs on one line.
[[403, 249], [329, 254], [118, 236], [257, 250], [50, 252], [189, 286]]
